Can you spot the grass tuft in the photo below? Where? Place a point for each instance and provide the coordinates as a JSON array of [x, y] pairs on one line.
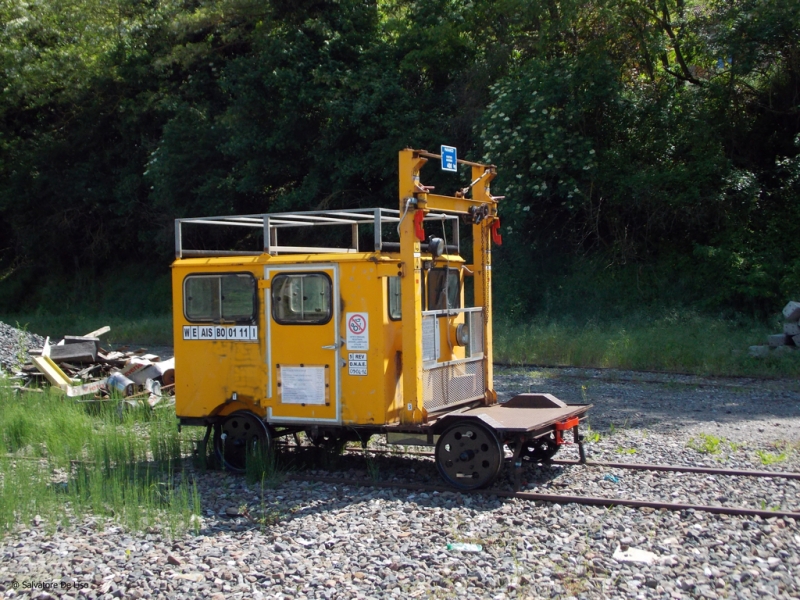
[[771, 458], [263, 465], [670, 341], [706, 444], [61, 460]]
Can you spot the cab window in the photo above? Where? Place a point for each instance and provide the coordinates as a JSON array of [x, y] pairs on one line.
[[394, 298], [444, 289], [301, 298], [221, 297]]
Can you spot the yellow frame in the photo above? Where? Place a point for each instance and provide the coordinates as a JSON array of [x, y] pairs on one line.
[[415, 197]]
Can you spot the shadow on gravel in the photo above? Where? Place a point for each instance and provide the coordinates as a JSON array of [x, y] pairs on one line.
[[663, 402], [298, 495]]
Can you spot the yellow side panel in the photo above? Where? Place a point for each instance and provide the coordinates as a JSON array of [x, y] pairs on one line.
[[208, 372], [370, 399]]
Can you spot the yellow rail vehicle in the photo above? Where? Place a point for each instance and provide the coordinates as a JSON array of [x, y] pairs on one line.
[[342, 343]]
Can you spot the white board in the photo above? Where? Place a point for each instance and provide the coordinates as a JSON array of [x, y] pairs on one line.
[[357, 364], [303, 385]]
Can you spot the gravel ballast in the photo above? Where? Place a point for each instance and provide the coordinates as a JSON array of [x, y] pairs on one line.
[[14, 346], [328, 541]]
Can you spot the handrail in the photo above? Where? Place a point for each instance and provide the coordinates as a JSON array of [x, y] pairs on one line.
[[270, 223]]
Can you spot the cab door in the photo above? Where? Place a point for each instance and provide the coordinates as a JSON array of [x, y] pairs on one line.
[[302, 316]]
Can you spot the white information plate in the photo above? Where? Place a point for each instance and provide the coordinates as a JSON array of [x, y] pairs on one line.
[[237, 333], [357, 364], [357, 325], [302, 385]]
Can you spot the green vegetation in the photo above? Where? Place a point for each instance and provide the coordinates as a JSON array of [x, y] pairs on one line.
[[659, 341], [591, 436], [671, 341], [62, 460], [149, 330], [264, 466], [771, 458], [706, 444], [648, 151], [782, 451]]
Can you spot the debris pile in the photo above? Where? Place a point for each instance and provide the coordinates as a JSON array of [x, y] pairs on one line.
[[82, 368], [785, 342]]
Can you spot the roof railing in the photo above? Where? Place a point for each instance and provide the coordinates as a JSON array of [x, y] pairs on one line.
[[270, 223]]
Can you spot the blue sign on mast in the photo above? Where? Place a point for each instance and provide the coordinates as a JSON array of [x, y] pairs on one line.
[[449, 159]]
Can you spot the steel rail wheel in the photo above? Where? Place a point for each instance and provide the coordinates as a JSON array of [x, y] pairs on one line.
[[240, 434], [469, 455], [332, 444]]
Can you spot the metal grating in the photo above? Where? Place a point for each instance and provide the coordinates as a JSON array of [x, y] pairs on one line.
[[475, 332], [452, 384]]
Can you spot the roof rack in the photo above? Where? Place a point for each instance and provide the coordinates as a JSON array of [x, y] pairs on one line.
[[270, 224]]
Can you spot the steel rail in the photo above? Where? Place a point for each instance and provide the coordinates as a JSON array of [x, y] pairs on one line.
[[558, 498], [631, 466], [681, 469]]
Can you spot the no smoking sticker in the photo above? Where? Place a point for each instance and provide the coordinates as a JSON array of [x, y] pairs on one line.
[[357, 325]]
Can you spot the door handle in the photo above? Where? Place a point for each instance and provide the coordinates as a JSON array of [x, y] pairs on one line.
[[331, 347]]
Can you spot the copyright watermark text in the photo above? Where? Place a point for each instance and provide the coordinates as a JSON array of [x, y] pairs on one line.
[[29, 584]]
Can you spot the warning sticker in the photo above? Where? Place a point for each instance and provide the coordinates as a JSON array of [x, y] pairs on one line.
[[357, 331], [357, 364]]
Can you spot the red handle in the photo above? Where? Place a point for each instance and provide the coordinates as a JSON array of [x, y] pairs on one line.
[[496, 237], [418, 230]]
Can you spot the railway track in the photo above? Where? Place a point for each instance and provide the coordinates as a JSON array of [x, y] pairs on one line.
[[554, 498], [631, 466], [578, 499]]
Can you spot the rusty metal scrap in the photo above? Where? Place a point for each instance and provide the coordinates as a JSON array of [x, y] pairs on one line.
[[82, 368]]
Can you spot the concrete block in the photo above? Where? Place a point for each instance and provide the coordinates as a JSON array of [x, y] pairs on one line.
[[782, 350], [791, 329], [79, 339], [758, 351], [791, 312], [82, 352], [796, 340], [779, 339]]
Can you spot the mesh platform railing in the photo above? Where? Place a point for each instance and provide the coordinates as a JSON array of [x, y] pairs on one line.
[[446, 384]]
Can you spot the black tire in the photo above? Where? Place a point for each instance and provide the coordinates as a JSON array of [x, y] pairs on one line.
[[469, 455], [237, 435]]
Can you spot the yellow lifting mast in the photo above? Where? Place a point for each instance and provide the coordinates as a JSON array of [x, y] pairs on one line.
[[416, 201]]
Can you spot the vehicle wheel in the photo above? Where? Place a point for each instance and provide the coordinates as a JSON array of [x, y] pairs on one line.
[[239, 434], [329, 443], [541, 449], [469, 455]]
